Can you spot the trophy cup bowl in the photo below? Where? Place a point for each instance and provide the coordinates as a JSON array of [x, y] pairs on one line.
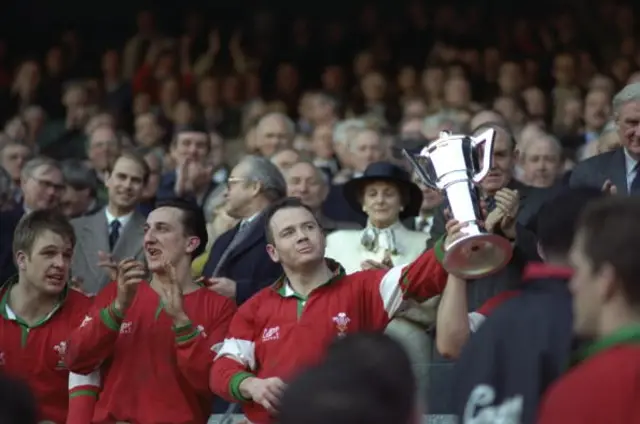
[[453, 164]]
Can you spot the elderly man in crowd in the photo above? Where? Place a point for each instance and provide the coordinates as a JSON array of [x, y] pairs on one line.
[[541, 160], [311, 186], [238, 265], [274, 131], [617, 171]]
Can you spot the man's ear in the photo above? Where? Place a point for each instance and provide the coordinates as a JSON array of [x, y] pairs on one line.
[[273, 253], [192, 244], [541, 252], [21, 260]]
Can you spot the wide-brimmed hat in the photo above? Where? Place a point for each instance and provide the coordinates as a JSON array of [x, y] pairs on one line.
[[388, 172]]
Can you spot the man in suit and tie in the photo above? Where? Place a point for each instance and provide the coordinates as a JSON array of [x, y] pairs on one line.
[[617, 171], [238, 265], [311, 185], [115, 232], [499, 178]]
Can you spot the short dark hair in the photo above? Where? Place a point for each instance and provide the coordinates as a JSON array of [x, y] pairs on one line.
[[557, 218], [346, 390], [611, 231], [135, 157], [284, 203], [79, 176], [17, 403], [193, 221], [33, 224], [196, 127]]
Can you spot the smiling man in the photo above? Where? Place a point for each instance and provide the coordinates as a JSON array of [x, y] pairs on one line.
[[617, 171], [114, 232], [154, 340]]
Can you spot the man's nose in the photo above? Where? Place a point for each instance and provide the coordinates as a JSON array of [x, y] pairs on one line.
[[59, 260]]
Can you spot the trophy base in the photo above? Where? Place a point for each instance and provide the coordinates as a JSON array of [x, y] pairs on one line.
[[477, 256]]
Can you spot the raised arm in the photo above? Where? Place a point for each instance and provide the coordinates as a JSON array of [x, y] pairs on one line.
[[93, 341], [386, 290]]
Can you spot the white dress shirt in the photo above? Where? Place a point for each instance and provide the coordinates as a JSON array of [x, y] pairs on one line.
[[631, 168], [123, 220]]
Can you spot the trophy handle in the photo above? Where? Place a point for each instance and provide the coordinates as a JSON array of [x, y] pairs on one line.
[[487, 138], [422, 174]]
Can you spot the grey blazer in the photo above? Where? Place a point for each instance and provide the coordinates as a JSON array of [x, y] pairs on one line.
[[92, 235], [594, 171]]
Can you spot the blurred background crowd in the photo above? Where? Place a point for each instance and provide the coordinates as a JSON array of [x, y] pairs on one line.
[[322, 93]]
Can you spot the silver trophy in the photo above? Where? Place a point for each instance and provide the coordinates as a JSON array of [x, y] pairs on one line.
[[455, 164]]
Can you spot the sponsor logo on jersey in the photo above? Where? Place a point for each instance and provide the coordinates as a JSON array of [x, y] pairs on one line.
[[269, 334], [126, 327], [480, 409]]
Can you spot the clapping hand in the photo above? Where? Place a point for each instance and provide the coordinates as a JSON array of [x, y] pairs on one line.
[[106, 262], [170, 292], [129, 274], [505, 213], [609, 188], [386, 263]]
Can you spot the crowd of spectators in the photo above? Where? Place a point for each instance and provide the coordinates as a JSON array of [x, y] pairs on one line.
[[339, 94]]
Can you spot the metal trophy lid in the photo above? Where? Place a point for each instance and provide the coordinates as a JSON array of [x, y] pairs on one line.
[[477, 256]]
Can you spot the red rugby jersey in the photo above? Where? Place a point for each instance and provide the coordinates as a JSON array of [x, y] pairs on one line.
[[278, 332], [152, 373], [36, 352]]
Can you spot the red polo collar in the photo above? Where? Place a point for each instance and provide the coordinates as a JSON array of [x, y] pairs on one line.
[[538, 270]]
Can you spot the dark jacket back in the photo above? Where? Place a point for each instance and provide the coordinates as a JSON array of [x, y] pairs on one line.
[[517, 353]]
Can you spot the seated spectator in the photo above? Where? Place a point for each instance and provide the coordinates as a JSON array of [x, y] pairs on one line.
[[80, 195]]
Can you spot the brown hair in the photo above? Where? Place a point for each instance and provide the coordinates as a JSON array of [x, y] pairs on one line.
[[33, 224], [135, 157], [611, 232]]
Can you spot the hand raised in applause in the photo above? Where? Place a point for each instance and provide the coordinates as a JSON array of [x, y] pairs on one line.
[[106, 262], [609, 188], [266, 392], [130, 273], [171, 295], [387, 263], [505, 213]]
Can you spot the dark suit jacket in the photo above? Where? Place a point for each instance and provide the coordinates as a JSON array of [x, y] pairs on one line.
[[8, 221], [337, 208], [168, 183], [531, 198], [248, 264], [594, 171], [330, 225]]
